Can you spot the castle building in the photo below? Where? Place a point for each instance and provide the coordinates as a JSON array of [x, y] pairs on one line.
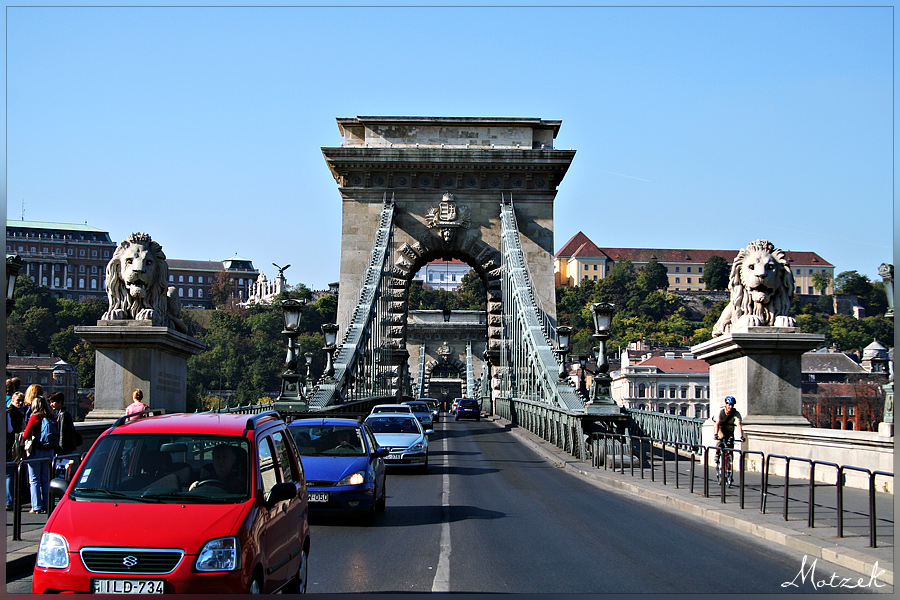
[[68, 258], [50, 372], [670, 382], [580, 259], [193, 279]]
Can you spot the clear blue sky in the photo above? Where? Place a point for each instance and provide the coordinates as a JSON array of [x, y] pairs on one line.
[[704, 127]]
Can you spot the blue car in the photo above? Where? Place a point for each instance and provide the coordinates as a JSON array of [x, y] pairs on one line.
[[344, 466], [468, 409]]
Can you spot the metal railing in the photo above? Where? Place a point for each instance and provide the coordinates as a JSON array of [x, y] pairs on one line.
[[560, 427], [611, 451], [20, 483]]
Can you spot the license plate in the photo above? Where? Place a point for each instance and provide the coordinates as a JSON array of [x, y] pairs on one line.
[[318, 496], [127, 586], [395, 457]]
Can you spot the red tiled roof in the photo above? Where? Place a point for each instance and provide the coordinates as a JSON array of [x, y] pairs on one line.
[[581, 245], [677, 365], [42, 361]]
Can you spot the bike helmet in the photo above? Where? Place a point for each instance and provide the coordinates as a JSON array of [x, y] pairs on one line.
[[730, 400]]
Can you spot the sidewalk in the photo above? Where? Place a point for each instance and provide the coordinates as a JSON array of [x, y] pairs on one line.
[[851, 551], [21, 554]]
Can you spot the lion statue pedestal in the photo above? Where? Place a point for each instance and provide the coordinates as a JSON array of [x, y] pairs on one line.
[[756, 349], [141, 341]]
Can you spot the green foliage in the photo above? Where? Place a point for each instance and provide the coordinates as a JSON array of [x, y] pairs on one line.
[[653, 276], [470, 295], [821, 281], [715, 273], [871, 295]]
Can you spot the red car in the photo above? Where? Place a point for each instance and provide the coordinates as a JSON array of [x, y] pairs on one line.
[[181, 503]]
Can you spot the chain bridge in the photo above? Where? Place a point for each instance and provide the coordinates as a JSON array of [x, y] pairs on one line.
[[480, 190]]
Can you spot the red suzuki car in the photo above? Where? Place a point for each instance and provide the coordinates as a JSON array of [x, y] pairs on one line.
[[181, 503]]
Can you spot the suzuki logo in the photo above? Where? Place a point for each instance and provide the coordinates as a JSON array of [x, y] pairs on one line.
[[130, 561]]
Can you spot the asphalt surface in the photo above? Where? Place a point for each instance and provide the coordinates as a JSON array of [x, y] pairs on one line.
[[489, 510]]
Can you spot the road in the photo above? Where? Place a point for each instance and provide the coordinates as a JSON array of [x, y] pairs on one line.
[[492, 516]]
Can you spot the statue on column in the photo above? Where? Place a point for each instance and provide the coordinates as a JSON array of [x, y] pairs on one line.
[[136, 285], [760, 285]]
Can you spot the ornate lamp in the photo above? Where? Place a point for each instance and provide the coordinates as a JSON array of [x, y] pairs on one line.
[[291, 397], [330, 330], [562, 338], [600, 388], [14, 264], [446, 313]]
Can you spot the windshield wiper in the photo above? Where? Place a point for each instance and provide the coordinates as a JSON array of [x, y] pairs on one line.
[[110, 494]]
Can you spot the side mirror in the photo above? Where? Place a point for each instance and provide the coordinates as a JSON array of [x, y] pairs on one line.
[[381, 452], [280, 493], [429, 431], [58, 487]]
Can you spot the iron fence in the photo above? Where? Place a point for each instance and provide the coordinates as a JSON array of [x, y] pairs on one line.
[[69, 463], [610, 450]]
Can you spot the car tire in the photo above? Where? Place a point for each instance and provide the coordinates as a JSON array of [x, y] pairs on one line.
[[456, 418], [299, 583], [255, 584], [425, 466], [478, 418], [381, 503]]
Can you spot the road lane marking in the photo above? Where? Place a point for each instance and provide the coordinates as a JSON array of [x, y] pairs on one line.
[[441, 581]]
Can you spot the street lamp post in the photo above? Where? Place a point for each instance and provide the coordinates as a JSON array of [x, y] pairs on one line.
[[329, 330], [308, 356], [886, 270], [600, 388], [562, 337], [291, 397], [14, 264]]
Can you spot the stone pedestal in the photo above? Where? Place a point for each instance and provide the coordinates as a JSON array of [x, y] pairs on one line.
[[136, 354], [760, 367]]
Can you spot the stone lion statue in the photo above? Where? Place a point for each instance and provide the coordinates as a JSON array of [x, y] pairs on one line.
[[761, 284], [136, 279]]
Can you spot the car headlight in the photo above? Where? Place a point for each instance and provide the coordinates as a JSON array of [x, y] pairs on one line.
[[418, 446], [53, 552], [222, 554], [354, 479]]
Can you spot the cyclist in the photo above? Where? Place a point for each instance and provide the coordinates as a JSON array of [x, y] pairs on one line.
[[728, 419]]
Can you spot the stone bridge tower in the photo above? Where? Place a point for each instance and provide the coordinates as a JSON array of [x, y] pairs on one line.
[[447, 177]]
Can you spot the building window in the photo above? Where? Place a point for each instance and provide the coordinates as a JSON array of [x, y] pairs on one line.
[[595, 278], [181, 279], [595, 267], [94, 269], [838, 410], [190, 279], [81, 282], [661, 393], [684, 392], [671, 392], [684, 411], [851, 411], [68, 282], [809, 290], [171, 279], [81, 253], [69, 251], [677, 279], [585, 276], [678, 269], [688, 279], [799, 290], [698, 392], [181, 292], [93, 284], [190, 292], [199, 293], [642, 391], [56, 282], [94, 253], [200, 279]]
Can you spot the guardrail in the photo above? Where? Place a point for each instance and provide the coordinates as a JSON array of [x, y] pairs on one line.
[[559, 427], [611, 450], [69, 462]]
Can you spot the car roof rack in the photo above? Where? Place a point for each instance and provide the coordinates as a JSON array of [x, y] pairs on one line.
[[256, 419], [358, 417], [150, 412]]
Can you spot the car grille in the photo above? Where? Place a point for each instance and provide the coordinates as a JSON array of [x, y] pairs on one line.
[[316, 484], [131, 560]]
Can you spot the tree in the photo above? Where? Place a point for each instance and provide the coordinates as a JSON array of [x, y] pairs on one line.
[[821, 281], [220, 290], [715, 273], [653, 276]]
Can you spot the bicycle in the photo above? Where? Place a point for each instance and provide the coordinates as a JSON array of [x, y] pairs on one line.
[[724, 461]]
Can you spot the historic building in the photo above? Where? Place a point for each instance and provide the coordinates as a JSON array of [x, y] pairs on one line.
[[580, 259], [671, 382], [838, 393], [51, 372], [443, 274], [193, 279], [68, 258]]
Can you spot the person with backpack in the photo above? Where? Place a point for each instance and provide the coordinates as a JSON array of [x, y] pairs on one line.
[[43, 431], [69, 439], [16, 425]]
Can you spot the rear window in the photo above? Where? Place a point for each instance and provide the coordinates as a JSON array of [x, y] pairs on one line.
[[468, 403], [327, 440], [396, 424], [166, 468]]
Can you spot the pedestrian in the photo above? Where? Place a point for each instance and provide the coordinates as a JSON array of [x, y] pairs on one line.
[[68, 436], [34, 390], [15, 425], [136, 405], [43, 430]]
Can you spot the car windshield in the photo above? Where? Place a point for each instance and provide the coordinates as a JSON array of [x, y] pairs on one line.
[[326, 440], [166, 468], [397, 424], [419, 407]]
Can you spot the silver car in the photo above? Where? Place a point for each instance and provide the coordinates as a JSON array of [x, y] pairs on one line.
[[423, 412], [403, 436]]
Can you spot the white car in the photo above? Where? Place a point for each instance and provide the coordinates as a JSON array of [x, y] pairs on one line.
[[422, 412], [403, 436], [391, 408]]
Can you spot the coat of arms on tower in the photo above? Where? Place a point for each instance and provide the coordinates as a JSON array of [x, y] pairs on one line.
[[444, 351], [448, 217]]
